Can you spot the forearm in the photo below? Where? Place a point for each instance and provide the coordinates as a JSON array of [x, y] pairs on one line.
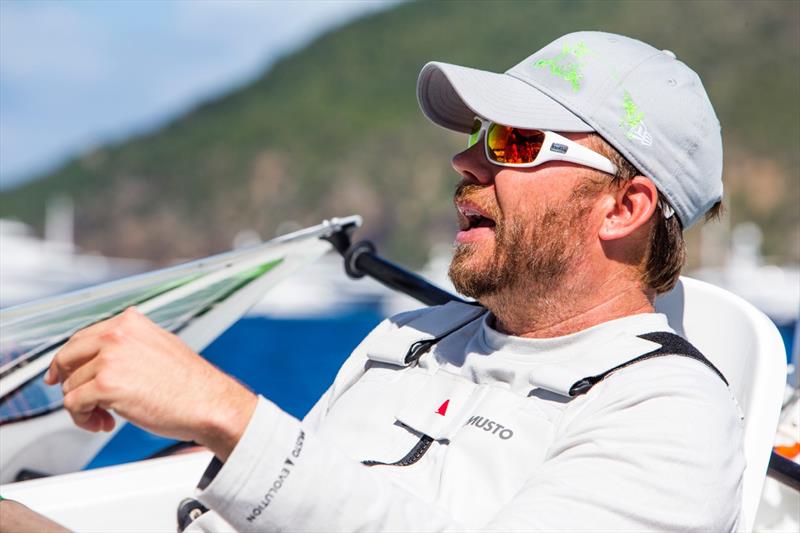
[[225, 424], [16, 517]]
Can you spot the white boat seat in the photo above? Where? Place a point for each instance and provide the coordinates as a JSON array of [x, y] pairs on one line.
[[747, 348]]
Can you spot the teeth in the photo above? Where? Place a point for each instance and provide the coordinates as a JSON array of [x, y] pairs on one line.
[[470, 212]]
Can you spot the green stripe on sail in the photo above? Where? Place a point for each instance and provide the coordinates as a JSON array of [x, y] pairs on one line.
[[31, 336], [239, 281]]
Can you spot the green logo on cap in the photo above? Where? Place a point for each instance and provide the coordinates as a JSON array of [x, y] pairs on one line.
[[633, 121], [633, 115], [562, 67]]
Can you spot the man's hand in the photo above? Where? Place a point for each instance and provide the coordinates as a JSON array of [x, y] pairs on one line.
[[149, 376]]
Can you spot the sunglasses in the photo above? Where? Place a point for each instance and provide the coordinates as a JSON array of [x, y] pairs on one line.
[[517, 147]]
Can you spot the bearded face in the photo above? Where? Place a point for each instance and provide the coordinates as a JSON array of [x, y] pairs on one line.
[[531, 254]]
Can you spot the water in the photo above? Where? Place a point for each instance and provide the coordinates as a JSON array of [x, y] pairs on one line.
[[290, 361], [788, 336]]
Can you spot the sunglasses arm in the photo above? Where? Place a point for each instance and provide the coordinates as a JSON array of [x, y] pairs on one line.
[[559, 148]]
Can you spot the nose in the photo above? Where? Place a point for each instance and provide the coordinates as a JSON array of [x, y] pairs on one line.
[[473, 165]]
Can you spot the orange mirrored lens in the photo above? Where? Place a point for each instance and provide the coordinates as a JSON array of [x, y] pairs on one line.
[[513, 145]]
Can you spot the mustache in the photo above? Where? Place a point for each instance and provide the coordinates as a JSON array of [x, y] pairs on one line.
[[472, 193]]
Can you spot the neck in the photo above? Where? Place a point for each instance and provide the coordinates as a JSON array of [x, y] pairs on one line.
[[572, 306]]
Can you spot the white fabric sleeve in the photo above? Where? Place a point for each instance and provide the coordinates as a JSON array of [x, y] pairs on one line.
[[633, 458]]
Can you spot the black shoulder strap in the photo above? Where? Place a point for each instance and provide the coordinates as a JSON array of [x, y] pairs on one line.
[[419, 348], [671, 344]]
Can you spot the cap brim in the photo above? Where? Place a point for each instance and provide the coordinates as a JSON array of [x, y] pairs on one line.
[[451, 96]]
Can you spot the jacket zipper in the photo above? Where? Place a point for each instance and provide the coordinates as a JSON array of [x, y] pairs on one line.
[[411, 457]]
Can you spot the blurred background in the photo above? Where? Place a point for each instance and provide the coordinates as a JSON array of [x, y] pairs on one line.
[[137, 134]]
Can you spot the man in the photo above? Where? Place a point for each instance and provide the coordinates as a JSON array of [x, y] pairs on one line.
[[537, 415]]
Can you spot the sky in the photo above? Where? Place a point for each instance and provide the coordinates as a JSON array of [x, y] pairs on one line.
[[76, 74]]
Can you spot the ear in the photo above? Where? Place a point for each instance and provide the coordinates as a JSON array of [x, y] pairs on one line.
[[629, 208]]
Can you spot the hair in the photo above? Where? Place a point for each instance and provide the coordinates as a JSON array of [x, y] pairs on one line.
[[666, 254]]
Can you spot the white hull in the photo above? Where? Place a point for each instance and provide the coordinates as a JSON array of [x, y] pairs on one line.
[[50, 444], [141, 496]]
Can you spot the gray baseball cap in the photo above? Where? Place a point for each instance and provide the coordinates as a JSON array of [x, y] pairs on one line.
[[651, 107]]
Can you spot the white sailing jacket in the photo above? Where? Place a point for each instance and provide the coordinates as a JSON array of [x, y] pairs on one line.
[[481, 433]]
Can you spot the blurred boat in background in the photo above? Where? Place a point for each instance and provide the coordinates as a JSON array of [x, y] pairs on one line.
[[773, 289], [32, 267]]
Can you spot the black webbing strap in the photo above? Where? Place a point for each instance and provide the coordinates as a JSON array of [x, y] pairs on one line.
[[671, 344], [420, 348]]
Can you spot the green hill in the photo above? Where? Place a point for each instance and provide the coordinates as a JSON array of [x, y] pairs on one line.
[[334, 129]]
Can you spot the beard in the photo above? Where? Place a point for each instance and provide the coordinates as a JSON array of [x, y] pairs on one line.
[[532, 256]]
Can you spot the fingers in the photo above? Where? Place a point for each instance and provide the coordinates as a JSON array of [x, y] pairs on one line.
[[132, 367], [81, 376], [86, 343], [98, 420], [75, 353], [103, 420], [83, 405]]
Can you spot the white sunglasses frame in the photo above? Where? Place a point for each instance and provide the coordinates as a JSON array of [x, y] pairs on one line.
[[580, 155], [555, 147]]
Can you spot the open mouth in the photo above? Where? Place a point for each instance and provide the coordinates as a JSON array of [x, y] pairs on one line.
[[471, 217]]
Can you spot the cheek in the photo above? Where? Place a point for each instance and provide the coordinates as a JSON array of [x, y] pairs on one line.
[[514, 202], [522, 194], [522, 208]]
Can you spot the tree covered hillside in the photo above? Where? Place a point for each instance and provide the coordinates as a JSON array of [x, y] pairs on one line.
[[334, 129]]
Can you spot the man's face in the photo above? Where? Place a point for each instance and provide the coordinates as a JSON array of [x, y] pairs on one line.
[[521, 229]]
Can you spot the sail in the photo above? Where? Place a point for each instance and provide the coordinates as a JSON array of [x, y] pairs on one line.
[[197, 301]]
